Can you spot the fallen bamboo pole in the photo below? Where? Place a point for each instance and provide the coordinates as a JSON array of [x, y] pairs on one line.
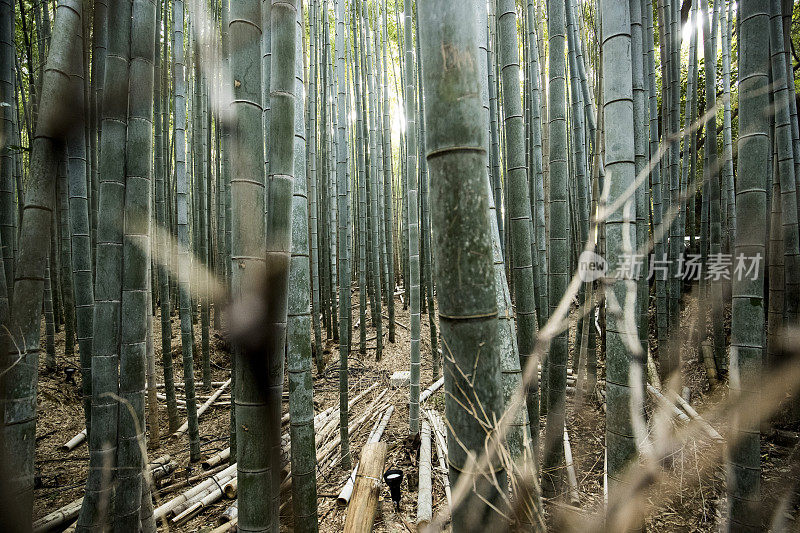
[[441, 455], [210, 497], [208, 489], [572, 478], [181, 384], [202, 409], [361, 514], [188, 481], [708, 428], [424, 497], [58, 519], [216, 459], [162, 511], [74, 442], [683, 417], [430, 390]]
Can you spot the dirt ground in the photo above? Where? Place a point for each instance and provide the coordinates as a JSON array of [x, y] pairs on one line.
[[693, 500]]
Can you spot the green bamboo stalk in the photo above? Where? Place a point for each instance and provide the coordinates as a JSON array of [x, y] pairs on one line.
[[99, 53], [387, 182], [519, 204], [689, 116], [81, 242], [49, 320], [361, 147], [65, 260], [537, 177], [785, 164], [108, 282], [343, 227], [747, 312], [284, 46], [727, 142], [711, 178], [227, 148], [312, 187], [374, 187], [135, 306], [412, 221], [456, 154], [200, 196], [7, 95], [621, 352], [247, 257], [640, 146], [298, 339], [164, 244], [559, 247], [655, 180], [183, 205]]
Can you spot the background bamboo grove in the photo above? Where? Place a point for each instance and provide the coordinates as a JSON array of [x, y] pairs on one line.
[[555, 216]]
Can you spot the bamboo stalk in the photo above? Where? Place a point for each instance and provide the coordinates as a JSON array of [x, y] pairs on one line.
[[361, 515]]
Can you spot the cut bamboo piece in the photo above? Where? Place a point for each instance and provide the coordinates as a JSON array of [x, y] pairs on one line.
[[230, 489], [202, 409], [708, 428], [361, 513], [74, 442], [572, 478], [707, 352], [424, 501]]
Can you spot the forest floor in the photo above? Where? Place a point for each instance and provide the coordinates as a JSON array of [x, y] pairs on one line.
[[693, 501]]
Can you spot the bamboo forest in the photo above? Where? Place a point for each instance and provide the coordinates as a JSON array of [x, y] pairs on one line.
[[399, 265]]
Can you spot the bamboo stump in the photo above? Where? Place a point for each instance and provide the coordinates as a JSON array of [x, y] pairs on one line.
[[364, 503]]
